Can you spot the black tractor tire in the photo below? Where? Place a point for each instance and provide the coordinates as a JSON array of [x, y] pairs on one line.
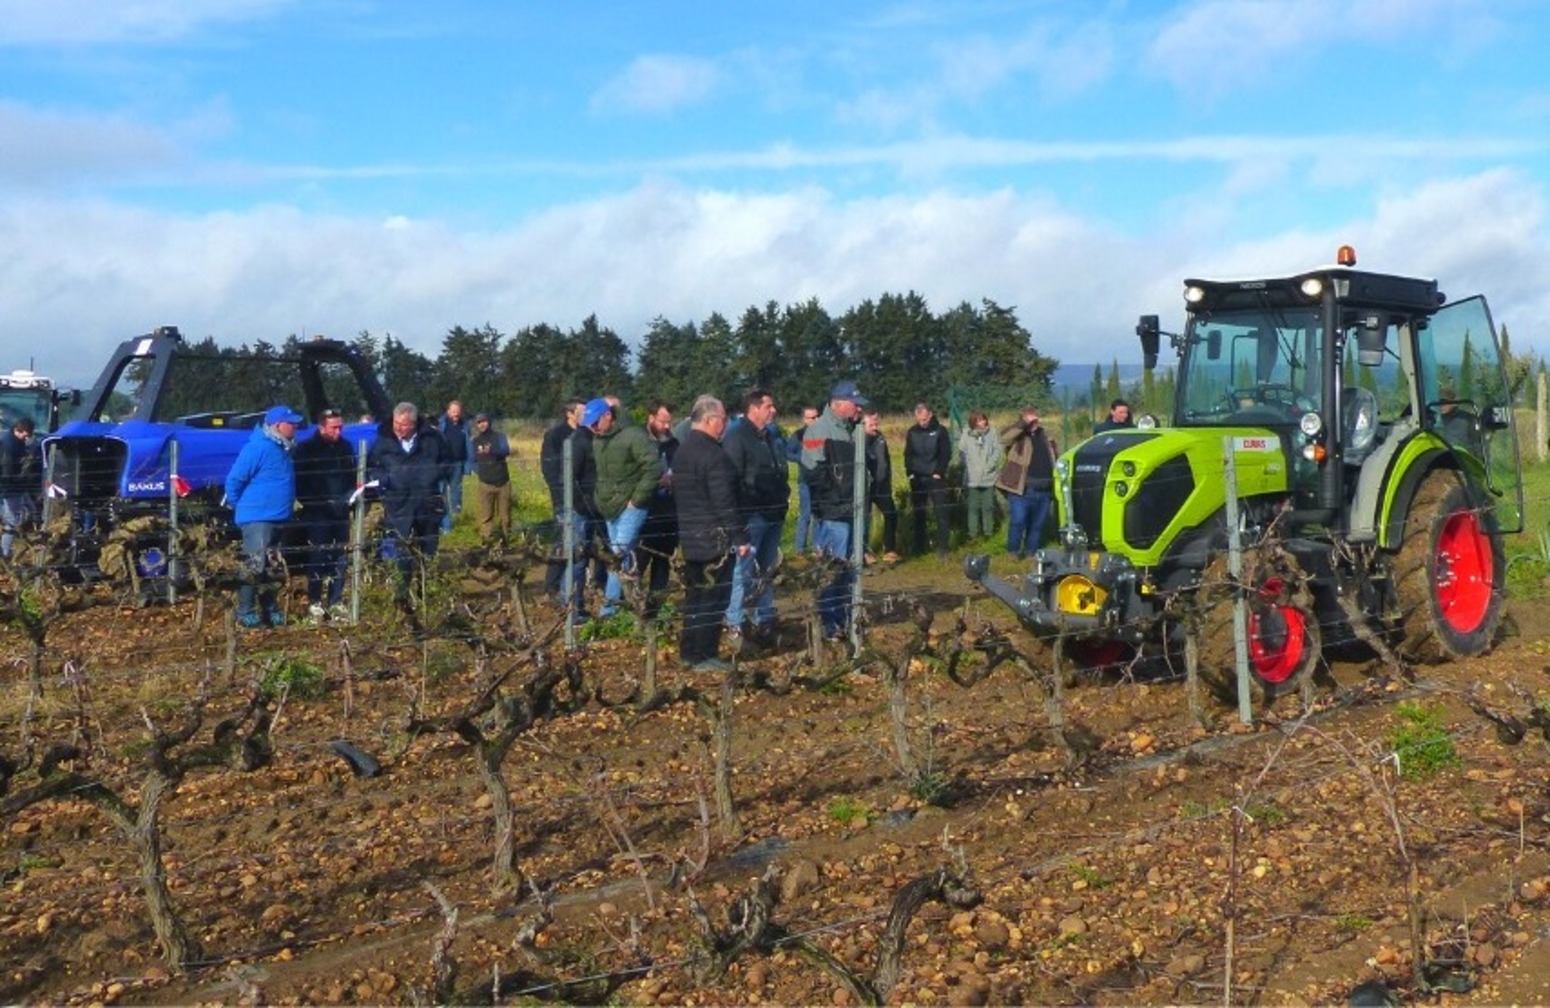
[[1285, 643], [1449, 573]]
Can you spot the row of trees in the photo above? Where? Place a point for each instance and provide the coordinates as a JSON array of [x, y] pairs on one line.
[[895, 347]]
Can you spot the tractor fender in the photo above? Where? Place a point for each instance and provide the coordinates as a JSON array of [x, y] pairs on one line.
[[1421, 455]]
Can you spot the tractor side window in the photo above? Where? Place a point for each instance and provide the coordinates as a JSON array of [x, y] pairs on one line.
[[1386, 381]]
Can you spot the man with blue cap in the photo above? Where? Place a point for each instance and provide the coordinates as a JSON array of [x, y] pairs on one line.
[[830, 451], [628, 467], [261, 490]]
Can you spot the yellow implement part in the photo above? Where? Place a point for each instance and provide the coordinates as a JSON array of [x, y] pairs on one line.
[[1076, 594]]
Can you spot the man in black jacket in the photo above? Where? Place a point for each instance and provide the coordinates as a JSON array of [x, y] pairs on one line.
[[551, 462], [879, 470], [710, 533], [659, 536], [411, 467], [325, 479], [927, 453], [20, 478], [455, 441], [763, 493], [491, 449]]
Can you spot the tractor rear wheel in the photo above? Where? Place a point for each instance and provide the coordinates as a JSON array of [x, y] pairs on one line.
[[1449, 573], [1284, 642]]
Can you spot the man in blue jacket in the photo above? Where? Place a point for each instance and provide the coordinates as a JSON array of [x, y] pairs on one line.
[[261, 489]]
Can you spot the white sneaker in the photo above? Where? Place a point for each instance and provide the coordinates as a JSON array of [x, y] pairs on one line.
[[317, 612]]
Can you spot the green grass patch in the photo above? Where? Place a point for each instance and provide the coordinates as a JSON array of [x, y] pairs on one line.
[[1091, 877], [1420, 741], [848, 811], [291, 675]]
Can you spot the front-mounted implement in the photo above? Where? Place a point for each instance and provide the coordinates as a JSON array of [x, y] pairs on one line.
[[154, 439]]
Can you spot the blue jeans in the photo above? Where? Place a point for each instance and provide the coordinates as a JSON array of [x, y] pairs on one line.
[[454, 500], [257, 538], [1025, 529], [623, 534], [15, 511], [575, 595], [832, 539], [805, 536], [752, 575]]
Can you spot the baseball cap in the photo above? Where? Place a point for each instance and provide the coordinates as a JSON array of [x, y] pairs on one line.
[[281, 414], [481, 418], [594, 412], [847, 390]]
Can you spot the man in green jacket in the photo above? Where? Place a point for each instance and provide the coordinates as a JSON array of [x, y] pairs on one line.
[[628, 467]]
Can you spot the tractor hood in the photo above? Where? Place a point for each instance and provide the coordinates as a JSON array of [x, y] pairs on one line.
[[134, 459], [1134, 491]]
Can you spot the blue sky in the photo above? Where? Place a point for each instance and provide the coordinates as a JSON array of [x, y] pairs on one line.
[[248, 169]]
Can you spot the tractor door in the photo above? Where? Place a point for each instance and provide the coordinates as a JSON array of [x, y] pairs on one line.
[[1468, 401]]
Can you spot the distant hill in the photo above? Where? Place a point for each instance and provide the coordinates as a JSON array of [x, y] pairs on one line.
[[1079, 377]]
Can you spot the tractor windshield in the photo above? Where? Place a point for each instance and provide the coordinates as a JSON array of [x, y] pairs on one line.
[[1256, 367], [17, 403]]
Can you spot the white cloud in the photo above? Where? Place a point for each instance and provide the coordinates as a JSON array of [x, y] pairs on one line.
[[92, 274], [658, 83], [1059, 60], [86, 22], [1211, 48]]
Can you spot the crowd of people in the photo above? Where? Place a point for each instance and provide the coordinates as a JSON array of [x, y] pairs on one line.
[[718, 487], [627, 497]]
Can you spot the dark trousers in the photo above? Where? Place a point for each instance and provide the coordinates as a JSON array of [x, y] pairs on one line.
[[326, 541], [707, 592], [922, 490], [654, 552], [410, 540], [884, 503]]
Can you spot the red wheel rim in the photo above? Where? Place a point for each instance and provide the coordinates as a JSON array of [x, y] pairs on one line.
[[1097, 654], [1278, 637], [1465, 572]]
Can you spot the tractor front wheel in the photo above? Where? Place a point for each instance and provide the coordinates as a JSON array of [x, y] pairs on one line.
[[1284, 642]]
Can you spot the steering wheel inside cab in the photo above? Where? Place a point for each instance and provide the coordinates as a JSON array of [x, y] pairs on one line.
[[1268, 404]]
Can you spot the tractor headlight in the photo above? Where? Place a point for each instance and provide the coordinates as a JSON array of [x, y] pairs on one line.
[[1127, 470], [1062, 468], [1121, 488], [1194, 295], [1312, 288], [1311, 424], [1146, 421]]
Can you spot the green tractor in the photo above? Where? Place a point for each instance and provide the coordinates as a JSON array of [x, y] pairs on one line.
[[1368, 428]]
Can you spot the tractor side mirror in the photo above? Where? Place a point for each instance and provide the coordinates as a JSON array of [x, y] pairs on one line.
[[1214, 345], [1151, 339], [1496, 418], [1369, 341]]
